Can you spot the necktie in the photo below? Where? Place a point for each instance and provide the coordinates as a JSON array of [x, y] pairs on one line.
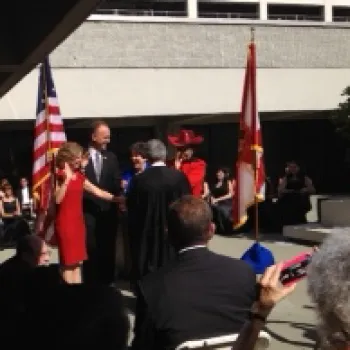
[[98, 165]]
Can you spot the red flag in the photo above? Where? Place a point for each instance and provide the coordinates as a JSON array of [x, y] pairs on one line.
[[48, 137], [250, 181]]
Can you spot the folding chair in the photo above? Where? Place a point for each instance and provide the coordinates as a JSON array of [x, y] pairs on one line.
[[224, 342]]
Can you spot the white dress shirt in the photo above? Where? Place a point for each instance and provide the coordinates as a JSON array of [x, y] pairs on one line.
[[25, 196], [192, 248], [94, 153], [158, 163]]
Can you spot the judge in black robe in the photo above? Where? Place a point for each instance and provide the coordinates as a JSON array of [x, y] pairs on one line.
[[149, 197]]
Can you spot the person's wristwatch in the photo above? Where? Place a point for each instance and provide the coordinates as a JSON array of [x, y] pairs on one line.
[[257, 316], [259, 312]]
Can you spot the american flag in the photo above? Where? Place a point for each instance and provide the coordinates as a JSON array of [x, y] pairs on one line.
[[49, 135]]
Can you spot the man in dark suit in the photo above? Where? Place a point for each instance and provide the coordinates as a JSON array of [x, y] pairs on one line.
[[24, 195], [199, 294], [101, 217], [150, 194]]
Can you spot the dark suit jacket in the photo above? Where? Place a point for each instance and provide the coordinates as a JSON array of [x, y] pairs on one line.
[[109, 181], [200, 294]]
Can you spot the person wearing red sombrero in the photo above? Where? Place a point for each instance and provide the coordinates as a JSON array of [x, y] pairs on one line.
[[194, 168]]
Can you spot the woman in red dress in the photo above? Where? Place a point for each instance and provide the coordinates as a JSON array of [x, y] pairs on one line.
[[194, 168], [69, 223]]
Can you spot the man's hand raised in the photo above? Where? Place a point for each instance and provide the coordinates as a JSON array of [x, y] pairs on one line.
[[272, 291]]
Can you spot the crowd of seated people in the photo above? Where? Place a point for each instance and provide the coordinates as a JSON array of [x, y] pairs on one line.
[[284, 204], [190, 298]]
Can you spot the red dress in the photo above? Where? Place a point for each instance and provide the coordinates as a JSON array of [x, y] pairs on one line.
[[69, 224], [195, 169]]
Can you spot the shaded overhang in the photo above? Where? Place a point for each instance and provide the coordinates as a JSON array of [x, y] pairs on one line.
[[30, 30]]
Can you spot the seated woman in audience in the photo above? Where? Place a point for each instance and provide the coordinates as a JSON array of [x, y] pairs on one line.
[[10, 205], [10, 213], [294, 192], [206, 191], [220, 197], [3, 183]]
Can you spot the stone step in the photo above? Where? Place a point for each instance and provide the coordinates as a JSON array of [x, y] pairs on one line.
[[309, 232], [314, 214], [335, 212]]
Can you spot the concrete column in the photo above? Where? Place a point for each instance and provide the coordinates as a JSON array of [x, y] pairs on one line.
[[192, 8], [328, 12], [263, 10]]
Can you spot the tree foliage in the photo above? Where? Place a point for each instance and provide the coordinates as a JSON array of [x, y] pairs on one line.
[[341, 116]]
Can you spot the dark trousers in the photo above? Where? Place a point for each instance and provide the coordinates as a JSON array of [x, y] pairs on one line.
[[268, 217], [101, 234], [123, 219]]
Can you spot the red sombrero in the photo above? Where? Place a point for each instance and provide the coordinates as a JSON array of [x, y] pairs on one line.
[[185, 138]]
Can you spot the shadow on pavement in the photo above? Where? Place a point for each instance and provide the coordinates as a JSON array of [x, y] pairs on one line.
[[309, 333], [274, 238]]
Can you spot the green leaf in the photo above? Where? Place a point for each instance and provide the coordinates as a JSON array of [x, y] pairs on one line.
[[341, 116]]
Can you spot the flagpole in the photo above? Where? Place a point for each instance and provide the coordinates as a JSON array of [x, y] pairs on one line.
[[46, 108], [256, 201], [49, 155], [50, 158], [252, 34], [257, 255]]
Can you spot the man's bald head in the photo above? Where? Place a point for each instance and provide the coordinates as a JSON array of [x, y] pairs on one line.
[[100, 135]]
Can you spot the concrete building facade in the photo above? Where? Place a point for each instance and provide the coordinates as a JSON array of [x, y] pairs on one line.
[[148, 77], [114, 69]]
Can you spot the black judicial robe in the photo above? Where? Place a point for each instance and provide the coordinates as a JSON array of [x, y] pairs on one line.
[[149, 197]]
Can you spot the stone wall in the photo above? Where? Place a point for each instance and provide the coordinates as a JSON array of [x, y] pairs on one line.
[[188, 45]]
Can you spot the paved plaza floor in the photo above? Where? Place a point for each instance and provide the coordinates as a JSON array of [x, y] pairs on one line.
[[292, 323]]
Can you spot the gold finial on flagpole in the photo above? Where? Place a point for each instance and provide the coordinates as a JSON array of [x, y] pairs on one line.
[[252, 34]]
